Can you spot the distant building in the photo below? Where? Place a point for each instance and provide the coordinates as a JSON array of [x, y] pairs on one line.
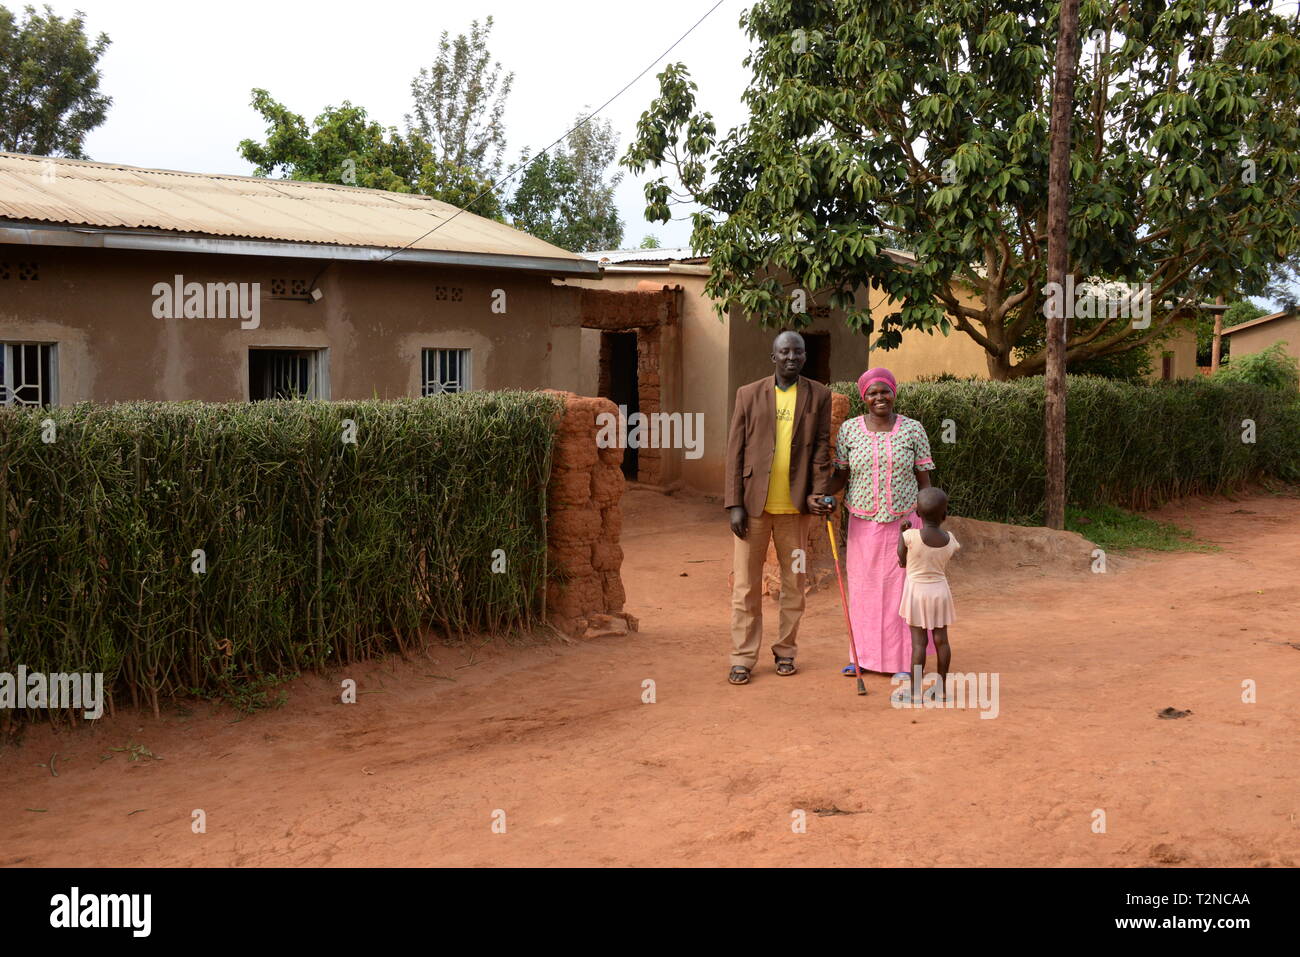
[[1256, 335]]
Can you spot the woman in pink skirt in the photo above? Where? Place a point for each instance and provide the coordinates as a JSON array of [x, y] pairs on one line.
[[885, 460]]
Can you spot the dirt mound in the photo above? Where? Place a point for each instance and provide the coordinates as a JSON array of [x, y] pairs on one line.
[[991, 548]]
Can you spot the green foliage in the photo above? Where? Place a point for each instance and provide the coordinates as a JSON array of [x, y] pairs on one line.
[[461, 187], [255, 695], [49, 84], [342, 145], [458, 106], [1243, 310], [453, 144], [827, 171], [1274, 368], [563, 197], [1132, 446], [318, 552], [649, 241], [1117, 530], [1127, 364]]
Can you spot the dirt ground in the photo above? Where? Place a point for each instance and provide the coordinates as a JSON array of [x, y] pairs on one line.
[[557, 737]]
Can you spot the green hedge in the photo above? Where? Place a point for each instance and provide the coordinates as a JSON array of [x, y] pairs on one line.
[[318, 551], [1132, 445]]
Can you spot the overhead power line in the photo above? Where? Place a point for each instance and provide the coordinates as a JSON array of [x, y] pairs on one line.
[[505, 179]]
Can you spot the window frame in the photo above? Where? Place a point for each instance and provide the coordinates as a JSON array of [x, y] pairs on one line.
[[7, 368], [431, 355], [317, 375]]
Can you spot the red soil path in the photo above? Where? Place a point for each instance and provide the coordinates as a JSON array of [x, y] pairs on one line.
[[556, 735]]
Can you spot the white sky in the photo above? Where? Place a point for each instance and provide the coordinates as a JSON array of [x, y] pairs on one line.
[[180, 73]]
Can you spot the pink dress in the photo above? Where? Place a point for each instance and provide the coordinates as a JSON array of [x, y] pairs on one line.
[[881, 493], [927, 601]]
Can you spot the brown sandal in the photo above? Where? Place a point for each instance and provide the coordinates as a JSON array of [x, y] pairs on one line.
[[785, 666], [739, 675]]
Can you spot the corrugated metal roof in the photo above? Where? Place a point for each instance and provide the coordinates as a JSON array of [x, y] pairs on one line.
[[81, 193], [665, 255]]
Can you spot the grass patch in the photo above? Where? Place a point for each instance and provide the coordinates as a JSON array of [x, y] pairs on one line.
[[1117, 530]]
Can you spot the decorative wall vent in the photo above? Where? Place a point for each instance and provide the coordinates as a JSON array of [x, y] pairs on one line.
[[25, 272], [448, 293], [290, 288]]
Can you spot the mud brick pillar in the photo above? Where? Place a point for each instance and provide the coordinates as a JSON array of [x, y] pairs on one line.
[[584, 591], [649, 461], [645, 311]]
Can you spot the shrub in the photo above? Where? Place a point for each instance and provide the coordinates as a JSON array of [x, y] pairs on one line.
[[1274, 368], [1130, 445], [317, 551]]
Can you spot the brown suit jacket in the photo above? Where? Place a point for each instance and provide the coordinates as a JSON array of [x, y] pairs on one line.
[[752, 442]]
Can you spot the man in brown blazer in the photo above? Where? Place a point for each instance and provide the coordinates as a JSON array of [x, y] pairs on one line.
[[778, 468]]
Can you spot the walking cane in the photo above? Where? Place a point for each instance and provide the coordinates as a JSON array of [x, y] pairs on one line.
[[844, 601]]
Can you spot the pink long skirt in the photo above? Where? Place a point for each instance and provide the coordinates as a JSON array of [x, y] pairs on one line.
[[875, 580]]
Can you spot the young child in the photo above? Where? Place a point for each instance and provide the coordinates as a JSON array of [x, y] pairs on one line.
[[927, 602]]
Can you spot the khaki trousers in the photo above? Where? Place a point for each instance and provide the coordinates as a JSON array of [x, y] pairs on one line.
[[788, 532]]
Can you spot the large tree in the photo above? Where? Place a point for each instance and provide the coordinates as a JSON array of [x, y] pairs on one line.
[[563, 196], [343, 145], [49, 84], [923, 126], [459, 102]]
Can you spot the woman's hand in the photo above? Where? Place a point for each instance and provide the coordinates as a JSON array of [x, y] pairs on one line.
[[905, 526]]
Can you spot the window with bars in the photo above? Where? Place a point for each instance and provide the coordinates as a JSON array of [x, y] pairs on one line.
[[445, 370], [27, 374], [284, 374]]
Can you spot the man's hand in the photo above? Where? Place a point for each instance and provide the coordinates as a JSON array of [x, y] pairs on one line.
[[739, 521], [818, 506]]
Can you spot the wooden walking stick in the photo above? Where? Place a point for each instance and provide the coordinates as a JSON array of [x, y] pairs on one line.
[[844, 603]]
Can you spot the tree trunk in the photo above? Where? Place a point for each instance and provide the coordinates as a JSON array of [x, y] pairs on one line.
[[999, 367], [1058, 207], [1217, 345]]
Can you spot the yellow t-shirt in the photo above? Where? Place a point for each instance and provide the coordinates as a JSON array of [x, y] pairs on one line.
[[778, 482]]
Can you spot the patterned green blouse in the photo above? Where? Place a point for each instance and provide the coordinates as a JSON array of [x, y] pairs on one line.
[[882, 467]]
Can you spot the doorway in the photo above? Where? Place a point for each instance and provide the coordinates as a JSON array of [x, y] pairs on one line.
[[618, 353], [817, 351]]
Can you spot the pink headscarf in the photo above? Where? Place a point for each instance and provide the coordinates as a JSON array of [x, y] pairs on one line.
[[878, 374]]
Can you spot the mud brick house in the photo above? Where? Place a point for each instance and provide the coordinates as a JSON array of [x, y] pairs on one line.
[[118, 283], [1256, 335]]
